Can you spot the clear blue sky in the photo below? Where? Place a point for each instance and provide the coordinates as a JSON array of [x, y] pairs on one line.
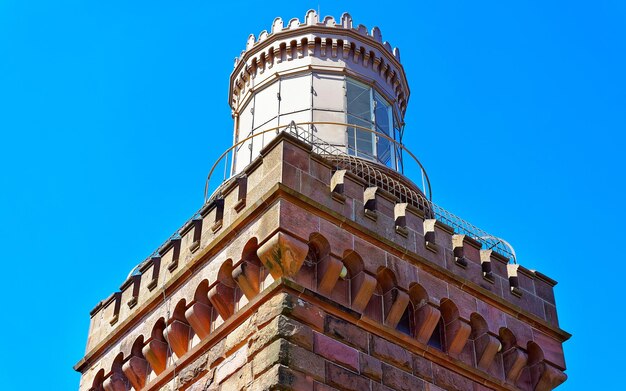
[[111, 115]]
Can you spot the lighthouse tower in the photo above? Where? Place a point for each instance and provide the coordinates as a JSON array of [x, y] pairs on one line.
[[317, 264]]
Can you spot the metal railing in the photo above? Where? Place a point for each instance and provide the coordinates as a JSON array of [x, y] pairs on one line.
[[372, 172], [464, 227], [374, 175], [321, 147]]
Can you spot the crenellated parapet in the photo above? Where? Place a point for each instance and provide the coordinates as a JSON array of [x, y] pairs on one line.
[[324, 44], [312, 19], [291, 226]]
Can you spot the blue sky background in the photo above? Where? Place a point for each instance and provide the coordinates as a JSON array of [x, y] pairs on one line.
[[111, 114]]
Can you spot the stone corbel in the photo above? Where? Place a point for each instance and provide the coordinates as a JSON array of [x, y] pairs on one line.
[[254, 67], [155, 352], [278, 55], [323, 48], [386, 73], [177, 334], [426, 319], [346, 49], [283, 255], [136, 371], [376, 65], [328, 271], [115, 383], [366, 58], [362, 288], [311, 47], [457, 333], [334, 48], [199, 317], [270, 58], [250, 70], [299, 49], [222, 298], [400, 300], [247, 276], [487, 346], [545, 377], [247, 76], [262, 63], [357, 54], [290, 49], [514, 361]]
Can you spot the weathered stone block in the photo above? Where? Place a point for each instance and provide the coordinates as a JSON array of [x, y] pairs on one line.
[[370, 367], [390, 352], [400, 380], [336, 351], [346, 332], [343, 379], [293, 356]]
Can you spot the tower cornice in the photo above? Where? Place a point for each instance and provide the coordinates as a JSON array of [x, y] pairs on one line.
[[358, 46]]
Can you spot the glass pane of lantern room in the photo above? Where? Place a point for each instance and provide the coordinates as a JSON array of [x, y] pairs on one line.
[[382, 114], [360, 142], [359, 112], [398, 151], [358, 100], [365, 144]]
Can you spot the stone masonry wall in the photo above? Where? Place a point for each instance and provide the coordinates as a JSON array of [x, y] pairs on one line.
[[385, 297], [291, 344]]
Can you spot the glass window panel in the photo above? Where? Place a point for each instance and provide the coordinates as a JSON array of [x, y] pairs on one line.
[[384, 151], [358, 100], [382, 112], [359, 109], [351, 142], [383, 116], [360, 142], [398, 137]]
